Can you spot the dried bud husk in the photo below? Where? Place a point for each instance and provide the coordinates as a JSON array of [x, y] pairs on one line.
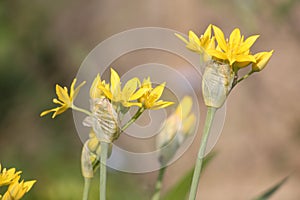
[[216, 83], [104, 120]]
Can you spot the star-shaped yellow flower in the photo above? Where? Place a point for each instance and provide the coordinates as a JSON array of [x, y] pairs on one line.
[[235, 50], [17, 190], [8, 176], [65, 100], [199, 44], [95, 91], [127, 95], [150, 98]]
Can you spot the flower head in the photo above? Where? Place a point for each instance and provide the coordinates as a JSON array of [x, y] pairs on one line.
[[65, 99], [124, 96], [199, 44], [8, 176], [235, 50], [17, 190], [95, 91], [150, 97]]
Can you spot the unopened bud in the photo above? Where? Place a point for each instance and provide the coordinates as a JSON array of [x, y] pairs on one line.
[[262, 60]]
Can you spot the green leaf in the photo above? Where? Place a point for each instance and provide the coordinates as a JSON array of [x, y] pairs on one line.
[[266, 195], [181, 189]]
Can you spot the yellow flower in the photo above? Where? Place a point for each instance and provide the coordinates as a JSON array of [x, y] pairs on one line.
[[125, 96], [8, 176], [17, 190], [176, 129], [235, 50], [150, 98], [199, 44], [65, 100], [262, 60], [95, 91]]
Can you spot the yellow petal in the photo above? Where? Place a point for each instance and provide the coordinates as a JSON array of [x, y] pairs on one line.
[[129, 104], [194, 38], [248, 43], [184, 108], [94, 90], [62, 94], [28, 184], [106, 91], [220, 38], [216, 53], [76, 91], [72, 87], [161, 104], [115, 84], [188, 124], [235, 38], [129, 88], [156, 92], [48, 111], [245, 58], [207, 33], [182, 38], [139, 93]]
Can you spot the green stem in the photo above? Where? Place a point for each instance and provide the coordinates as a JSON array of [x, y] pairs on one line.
[[208, 122], [158, 184], [81, 110], [134, 118], [87, 184], [246, 76], [104, 151]]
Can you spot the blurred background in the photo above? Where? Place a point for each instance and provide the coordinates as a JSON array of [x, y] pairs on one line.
[[44, 42]]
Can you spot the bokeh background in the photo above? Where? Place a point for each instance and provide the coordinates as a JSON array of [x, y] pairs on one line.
[[44, 42]]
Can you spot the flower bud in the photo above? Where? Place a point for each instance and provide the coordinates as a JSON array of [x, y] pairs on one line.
[[175, 130], [262, 60], [216, 83], [90, 155]]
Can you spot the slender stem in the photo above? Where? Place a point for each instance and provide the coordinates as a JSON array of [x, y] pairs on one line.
[[104, 150], [208, 122], [87, 184], [246, 76], [81, 110], [134, 118], [158, 184]]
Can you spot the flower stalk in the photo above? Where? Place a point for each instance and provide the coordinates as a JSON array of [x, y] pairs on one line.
[[158, 184], [103, 159], [87, 184], [198, 166]]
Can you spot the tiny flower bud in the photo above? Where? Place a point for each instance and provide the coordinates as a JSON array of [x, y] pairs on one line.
[[262, 60], [216, 83]]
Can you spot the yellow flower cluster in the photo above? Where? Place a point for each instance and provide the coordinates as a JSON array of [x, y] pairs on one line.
[[235, 51], [16, 189], [134, 93]]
